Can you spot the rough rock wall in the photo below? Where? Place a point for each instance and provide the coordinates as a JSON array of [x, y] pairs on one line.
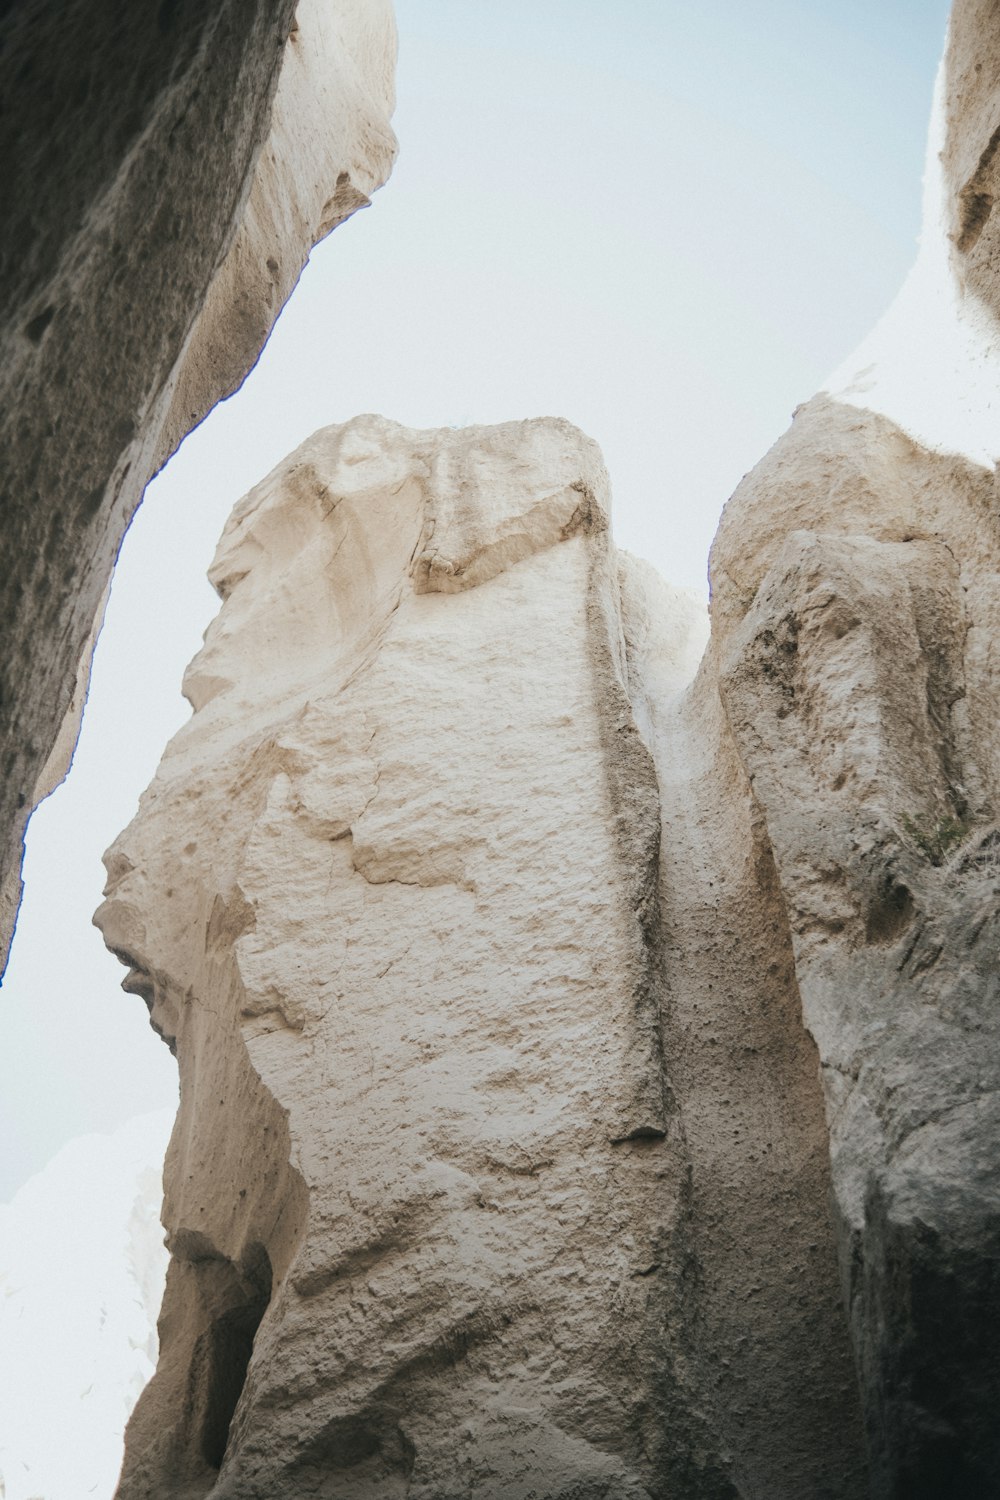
[[971, 155], [856, 614], [504, 1160], [167, 169], [395, 898], [757, 1330]]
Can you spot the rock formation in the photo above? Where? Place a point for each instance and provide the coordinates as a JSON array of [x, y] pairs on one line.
[[855, 614], [395, 898], [853, 648], [167, 169], [534, 1004]]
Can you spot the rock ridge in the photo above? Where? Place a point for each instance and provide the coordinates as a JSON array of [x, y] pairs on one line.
[[853, 671]]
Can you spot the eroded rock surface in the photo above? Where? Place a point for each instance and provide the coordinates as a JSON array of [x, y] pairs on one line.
[[395, 898], [971, 154], [485, 939], [78, 1310], [856, 585], [167, 169], [855, 616]]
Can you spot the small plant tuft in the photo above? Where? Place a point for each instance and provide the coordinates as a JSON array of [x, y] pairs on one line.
[[936, 840]]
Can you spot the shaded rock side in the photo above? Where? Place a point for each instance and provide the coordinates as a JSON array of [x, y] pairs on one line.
[[442, 1221], [167, 169], [971, 156], [855, 618], [756, 1327]]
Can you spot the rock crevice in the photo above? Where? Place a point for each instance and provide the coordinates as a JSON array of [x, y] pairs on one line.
[[437, 971], [537, 991]]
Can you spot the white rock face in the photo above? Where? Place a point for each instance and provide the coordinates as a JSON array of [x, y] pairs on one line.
[[82, 1265], [415, 673], [395, 897]]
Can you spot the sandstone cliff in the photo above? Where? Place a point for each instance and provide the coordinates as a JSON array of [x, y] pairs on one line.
[[855, 619], [534, 1004], [167, 170], [396, 900], [852, 644], [82, 1265]]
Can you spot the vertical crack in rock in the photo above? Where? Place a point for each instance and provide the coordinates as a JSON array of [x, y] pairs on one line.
[[633, 794], [485, 937], [235, 1298], [460, 911]]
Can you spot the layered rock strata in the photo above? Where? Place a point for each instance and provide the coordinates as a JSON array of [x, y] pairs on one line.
[[443, 1218], [167, 169]]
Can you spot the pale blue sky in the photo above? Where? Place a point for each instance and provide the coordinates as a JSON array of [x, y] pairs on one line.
[[666, 221]]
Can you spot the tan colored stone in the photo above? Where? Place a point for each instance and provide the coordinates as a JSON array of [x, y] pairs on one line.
[[485, 943], [971, 160], [395, 898]]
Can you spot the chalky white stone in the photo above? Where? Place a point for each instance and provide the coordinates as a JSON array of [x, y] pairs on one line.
[[396, 898]]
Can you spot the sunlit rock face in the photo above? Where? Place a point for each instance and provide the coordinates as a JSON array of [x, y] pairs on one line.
[[395, 897], [855, 620], [167, 169]]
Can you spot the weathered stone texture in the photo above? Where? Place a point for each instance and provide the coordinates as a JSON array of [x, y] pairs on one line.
[[971, 157], [167, 169], [855, 615], [395, 897], [485, 939], [758, 1327]]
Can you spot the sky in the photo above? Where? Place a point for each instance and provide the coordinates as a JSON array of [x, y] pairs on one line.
[[667, 222]]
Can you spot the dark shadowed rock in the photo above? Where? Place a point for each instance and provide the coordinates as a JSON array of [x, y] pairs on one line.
[[157, 211]]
